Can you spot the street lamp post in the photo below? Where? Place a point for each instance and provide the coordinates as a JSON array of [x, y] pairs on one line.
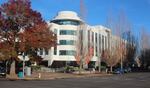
[[121, 64], [99, 55], [23, 65], [99, 64]]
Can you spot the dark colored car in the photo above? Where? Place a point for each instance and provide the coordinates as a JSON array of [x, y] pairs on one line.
[[121, 71], [2, 71], [127, 70]]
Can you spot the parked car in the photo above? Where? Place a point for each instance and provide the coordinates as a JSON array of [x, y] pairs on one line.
[[2, 71], [121, 71], [127, 70]]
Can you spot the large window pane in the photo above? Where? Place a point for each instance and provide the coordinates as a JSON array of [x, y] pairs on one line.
[[67, 32], [66, 42], [46, 51], [102, 42], [66, 22], [96, 38], [55, 50], [105, 42], [92, 36], [41, 51], [67, 52]]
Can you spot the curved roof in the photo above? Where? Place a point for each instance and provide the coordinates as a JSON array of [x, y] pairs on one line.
[[67, 15]]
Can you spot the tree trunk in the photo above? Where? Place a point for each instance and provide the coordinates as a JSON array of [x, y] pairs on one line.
[[99, 64], [13, 71], [80, 68], [81, 64]]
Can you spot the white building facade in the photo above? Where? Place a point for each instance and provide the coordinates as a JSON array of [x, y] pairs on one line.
[[65, 25]]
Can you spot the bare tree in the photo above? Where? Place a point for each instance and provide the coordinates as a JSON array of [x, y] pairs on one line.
[[131, 48], [110, 57], [78, 45], [145, 48], [113, 55], [84, 52], [81, 45], [82, 10], [118, 25], [122, 25], [145, 41]]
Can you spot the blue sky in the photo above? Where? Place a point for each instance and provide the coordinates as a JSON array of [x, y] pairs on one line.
[[137, 11]]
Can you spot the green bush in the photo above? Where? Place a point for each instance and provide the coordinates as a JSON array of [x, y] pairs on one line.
[[36, 68], [71, 69]]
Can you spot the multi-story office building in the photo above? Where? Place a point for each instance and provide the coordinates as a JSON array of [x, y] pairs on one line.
[[66, 25]]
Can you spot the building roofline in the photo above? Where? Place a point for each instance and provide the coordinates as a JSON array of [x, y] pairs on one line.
[[67, 15]]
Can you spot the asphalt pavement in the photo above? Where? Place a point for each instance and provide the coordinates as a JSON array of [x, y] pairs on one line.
[[131, 80]]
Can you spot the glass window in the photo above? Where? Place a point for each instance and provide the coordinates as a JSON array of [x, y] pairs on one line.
[[92, 36], [67, 32], [55, 50], [41, 51], [46, 51], [96, 38], [105, 42], [88, 34], [55, 31], [66, 22], [89, 39], [102, 42], [66, 42], [96, 51], [67, 52]]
